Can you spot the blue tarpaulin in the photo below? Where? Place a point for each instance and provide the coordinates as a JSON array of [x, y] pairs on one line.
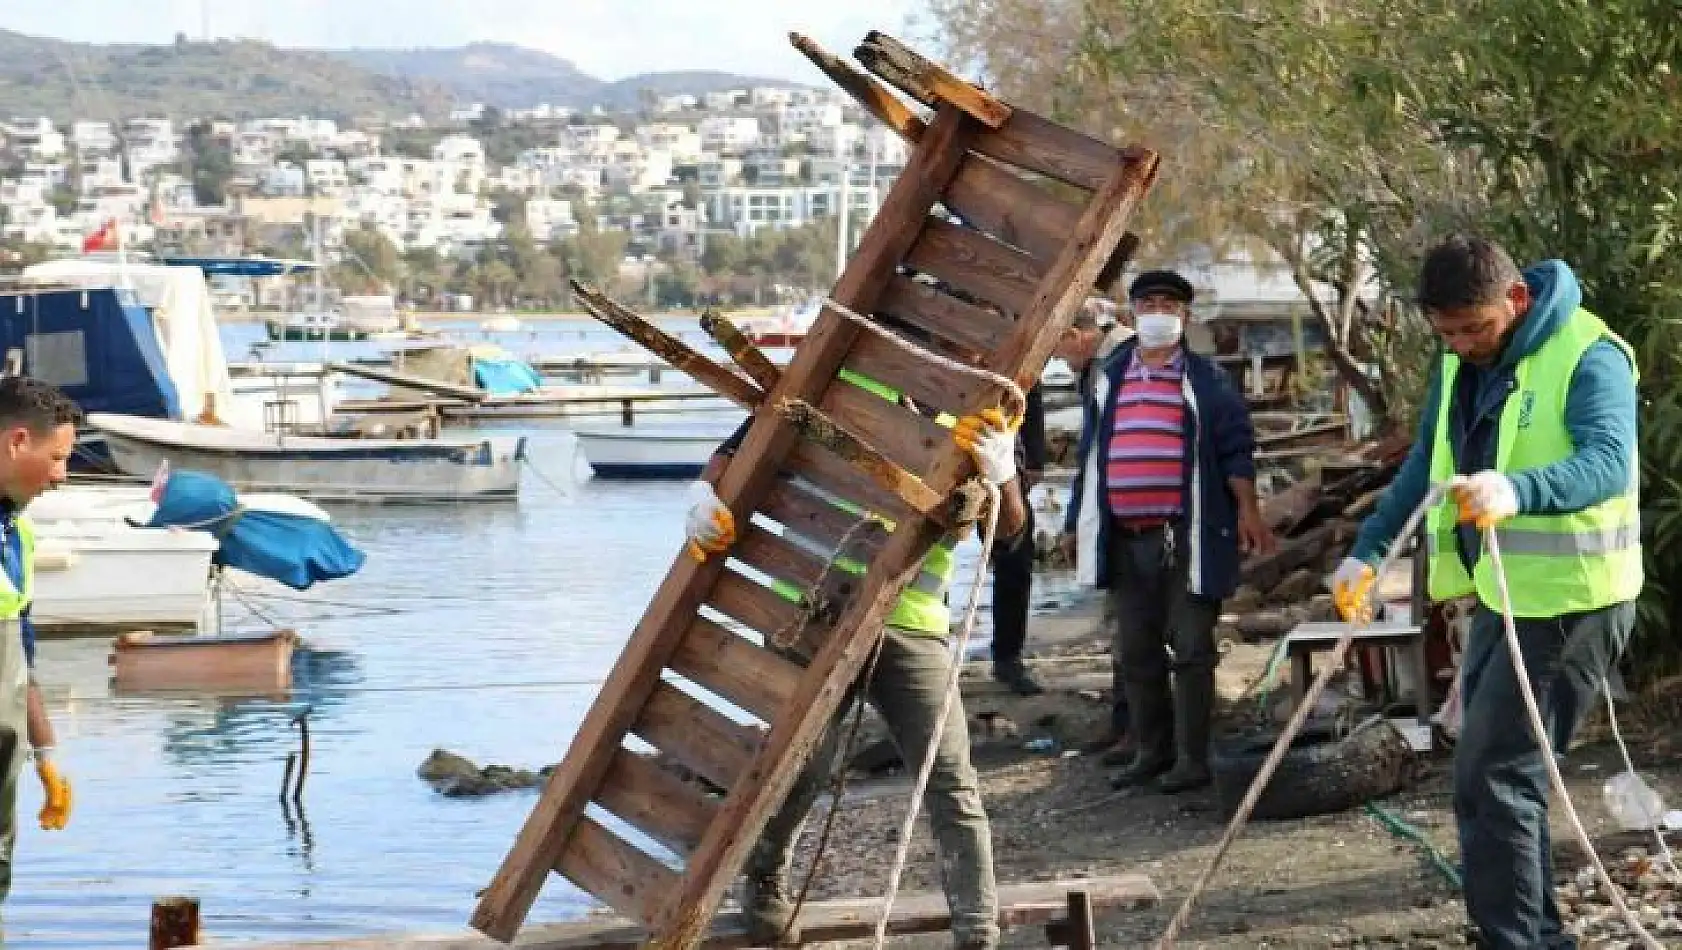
[[98, 345], [296, 550], [505, 377]]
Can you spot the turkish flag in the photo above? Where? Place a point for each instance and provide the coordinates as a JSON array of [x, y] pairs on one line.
[[105, 239]]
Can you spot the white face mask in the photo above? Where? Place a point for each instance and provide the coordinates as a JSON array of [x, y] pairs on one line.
[[1159, 329]]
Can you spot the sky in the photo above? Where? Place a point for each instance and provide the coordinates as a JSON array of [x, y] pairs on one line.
[[609, 39]]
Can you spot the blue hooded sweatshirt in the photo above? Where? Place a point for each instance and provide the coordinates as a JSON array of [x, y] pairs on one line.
[[1600, 414]]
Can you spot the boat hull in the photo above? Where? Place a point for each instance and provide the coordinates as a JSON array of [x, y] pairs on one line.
[[352, 470], [637, 453], [92, 580]]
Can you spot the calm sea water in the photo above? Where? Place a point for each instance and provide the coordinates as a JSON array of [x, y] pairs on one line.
[[482, 629]]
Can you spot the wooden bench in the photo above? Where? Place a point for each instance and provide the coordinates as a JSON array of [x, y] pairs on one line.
[[1064, 908], [1407, 640]]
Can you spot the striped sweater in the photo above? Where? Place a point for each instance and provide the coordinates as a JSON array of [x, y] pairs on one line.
[[1144, 470]]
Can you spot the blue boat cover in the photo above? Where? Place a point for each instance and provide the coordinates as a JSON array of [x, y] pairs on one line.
[[296, 550], [505, 377], [99, 346], [240, 266]]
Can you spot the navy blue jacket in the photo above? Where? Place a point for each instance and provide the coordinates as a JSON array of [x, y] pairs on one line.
[[1220, 444]]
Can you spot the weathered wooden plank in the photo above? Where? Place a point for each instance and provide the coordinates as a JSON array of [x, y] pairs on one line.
[[836, 477], [926, 81], [742, 351], [777, 557], [1011, 208], [1020, 905], [669, 348], [849, 444], [654, 800], [870, 94], [910, 439], [704, 740], [615, 871], [928, 384], [684, 919], [1064, 288], [977, 265], [733, 667], [1040, 145], [805, 513], [945, 316], [753, 605]]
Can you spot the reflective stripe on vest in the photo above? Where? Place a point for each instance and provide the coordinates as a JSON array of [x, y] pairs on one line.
[[922, 604], [1556, 564], [14, 601]]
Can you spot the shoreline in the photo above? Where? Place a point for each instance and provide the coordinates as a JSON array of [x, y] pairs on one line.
[[476, 317]]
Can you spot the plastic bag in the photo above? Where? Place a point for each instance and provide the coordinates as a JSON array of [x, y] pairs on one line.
[[1632, 803]]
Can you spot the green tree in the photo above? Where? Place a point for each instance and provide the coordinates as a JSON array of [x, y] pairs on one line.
[[371, 263], [210, 164]]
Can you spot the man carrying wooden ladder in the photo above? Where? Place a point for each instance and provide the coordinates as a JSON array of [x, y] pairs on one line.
[[907, 687]]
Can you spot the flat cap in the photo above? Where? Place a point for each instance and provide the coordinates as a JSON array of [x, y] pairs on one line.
[[1161, 282]]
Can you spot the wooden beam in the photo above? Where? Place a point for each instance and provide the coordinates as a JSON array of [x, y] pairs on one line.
[[835, 437], [656, 802], [872, 96], [1001, 202], [945, 316], [704, 740], [615, 870], [669, 348], [978, 265], [1064, 288], [731, 666], [927, 82], [421, 383], [753, 362], [684, 919], [1020, 905]]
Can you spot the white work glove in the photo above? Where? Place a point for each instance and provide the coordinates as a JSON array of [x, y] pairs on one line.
[[1352, 590], [710, 526], [1485, 498], [990, 439]]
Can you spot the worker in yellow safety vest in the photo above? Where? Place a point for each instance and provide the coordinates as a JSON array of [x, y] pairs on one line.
[[1531, 419], [37, 435], [906, 687]]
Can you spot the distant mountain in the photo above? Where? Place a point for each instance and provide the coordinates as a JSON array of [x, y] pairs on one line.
[[245, 79], [513, 77], [230, 78]]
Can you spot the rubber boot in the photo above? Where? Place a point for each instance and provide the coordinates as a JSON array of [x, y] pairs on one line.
[[1014, 674], [1194, 707], [1153, 731], [768, 910]]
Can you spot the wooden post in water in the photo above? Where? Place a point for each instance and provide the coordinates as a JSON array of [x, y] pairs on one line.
[[175, 923]]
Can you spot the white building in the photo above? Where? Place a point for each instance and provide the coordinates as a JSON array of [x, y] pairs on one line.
[[328, 177], [284, 180], [550, 219], [93, 139], [36, 139], [729, 134], [763, 97], [681, 141]]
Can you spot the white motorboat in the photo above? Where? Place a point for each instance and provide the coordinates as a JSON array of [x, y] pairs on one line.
[[652, 450]]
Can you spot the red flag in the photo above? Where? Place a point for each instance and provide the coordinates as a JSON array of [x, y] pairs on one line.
[[105, 239]]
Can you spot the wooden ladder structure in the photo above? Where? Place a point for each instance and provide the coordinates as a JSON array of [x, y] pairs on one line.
[[1044, 212]]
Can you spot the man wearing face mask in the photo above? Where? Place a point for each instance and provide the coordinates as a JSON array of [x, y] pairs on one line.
[[1531, 418], [37, 435], [1172, 476]]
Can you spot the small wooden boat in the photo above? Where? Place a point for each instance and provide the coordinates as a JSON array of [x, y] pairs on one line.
[[142, 661]]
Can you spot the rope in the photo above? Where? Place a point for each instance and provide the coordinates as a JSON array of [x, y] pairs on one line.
[[1541, 733], [956, 667], [1433, 497], [1292, 727], [1629, 766]]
